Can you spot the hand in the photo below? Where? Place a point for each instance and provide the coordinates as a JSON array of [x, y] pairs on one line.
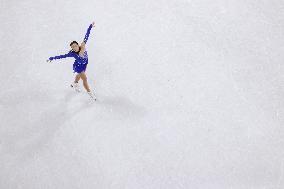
[[93, 24]]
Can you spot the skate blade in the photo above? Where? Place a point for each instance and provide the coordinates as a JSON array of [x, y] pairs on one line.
[[93, 99], [77, 90]]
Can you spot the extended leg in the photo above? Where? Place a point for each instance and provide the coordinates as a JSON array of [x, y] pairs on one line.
[[85, 81]]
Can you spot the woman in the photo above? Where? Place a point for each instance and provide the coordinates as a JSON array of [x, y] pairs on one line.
[[81, 62]]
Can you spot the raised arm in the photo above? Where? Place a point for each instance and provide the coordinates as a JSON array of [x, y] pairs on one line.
[[86, 39], [88, 32]]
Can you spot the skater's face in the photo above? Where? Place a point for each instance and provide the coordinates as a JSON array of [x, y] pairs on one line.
[[75, 47]]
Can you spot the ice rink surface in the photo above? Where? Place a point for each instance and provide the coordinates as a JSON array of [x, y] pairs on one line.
[[190, 95]]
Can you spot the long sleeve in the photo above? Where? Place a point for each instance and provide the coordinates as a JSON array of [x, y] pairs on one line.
[[88, 33], [62, 56]]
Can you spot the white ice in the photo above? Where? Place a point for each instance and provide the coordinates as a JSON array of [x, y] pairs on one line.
[[190, 95]]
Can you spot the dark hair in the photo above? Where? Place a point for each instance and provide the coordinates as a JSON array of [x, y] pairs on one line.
[[77, 44], [73, 43]]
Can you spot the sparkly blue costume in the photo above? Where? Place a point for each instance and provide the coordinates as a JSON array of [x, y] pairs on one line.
[[80, 63]]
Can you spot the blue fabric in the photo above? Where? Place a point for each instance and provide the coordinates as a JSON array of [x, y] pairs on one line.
[[70, 54], [88, 33], [78, 68], [80, 63]]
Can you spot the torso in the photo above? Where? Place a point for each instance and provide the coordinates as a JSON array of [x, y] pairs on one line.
[[84, 55], [82, 59]]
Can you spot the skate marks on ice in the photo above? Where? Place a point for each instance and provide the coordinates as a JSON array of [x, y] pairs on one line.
[[32, 119], [120, 107]]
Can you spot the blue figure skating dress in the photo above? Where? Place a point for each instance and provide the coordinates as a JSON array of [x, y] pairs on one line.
[[81, 62]]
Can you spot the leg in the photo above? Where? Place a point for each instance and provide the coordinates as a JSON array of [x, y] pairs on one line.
[[77, 78], [85, 82], [75, 83]]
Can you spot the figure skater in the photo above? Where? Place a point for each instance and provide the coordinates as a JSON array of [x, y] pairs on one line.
[[80, 64]]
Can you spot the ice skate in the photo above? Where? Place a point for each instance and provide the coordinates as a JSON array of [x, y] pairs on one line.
[[92, 95], [76, 87]]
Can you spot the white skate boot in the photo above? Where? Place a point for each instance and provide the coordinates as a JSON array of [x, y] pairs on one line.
[[92, 95], [76, 87]]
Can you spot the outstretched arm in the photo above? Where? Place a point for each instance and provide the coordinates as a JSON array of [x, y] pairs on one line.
[[60, 57]]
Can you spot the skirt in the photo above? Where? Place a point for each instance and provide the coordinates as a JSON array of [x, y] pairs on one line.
[[78, 68]]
